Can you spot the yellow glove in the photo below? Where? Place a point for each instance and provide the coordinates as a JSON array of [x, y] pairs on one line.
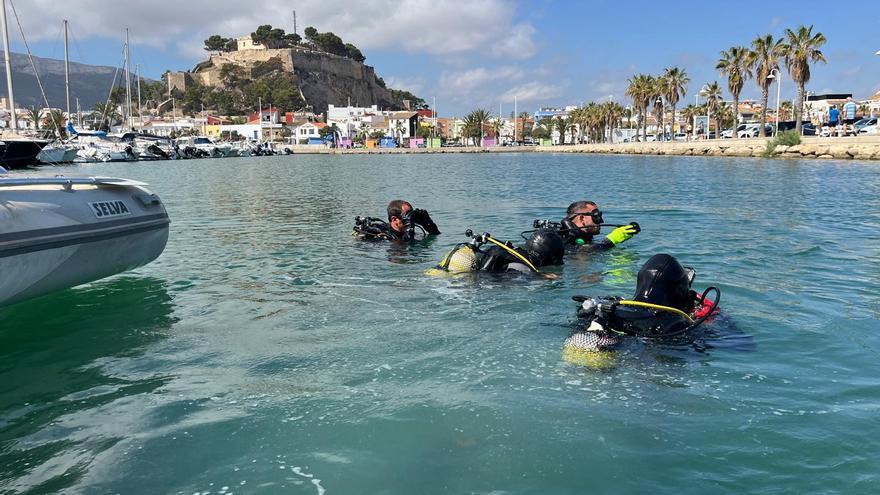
[[621, 234]]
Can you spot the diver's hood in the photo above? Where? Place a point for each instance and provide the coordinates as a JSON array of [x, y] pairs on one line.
[[662, 280]]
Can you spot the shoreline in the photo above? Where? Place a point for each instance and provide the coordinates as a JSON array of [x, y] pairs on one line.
[[841, 148]]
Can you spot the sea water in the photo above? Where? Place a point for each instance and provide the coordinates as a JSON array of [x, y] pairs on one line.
[[267, 351]]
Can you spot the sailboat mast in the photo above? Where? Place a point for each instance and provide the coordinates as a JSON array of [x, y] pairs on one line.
[[140, 115], [6, 56], [66, 71], [128, 81]]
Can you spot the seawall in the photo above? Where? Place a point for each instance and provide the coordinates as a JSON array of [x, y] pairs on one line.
[[844, 148], [847, 148]]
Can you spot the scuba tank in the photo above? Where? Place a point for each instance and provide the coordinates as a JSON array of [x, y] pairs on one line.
[[663, 307], [499, 257]]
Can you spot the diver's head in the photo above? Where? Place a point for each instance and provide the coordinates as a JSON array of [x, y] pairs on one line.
[[584, 215], [399, 215], [662, 280], [545, 247]]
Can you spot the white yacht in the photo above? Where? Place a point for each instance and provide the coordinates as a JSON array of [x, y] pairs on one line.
[[207, 145]]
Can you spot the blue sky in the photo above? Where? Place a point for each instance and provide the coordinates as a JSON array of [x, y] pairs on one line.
[[482, 52]]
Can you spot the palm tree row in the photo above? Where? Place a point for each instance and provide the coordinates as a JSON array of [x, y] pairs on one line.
[[647, 90], [797, 49]]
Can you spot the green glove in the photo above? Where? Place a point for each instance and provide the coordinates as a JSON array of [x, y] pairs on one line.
[[621, 234]]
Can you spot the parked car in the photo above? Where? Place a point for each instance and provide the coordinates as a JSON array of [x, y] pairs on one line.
[[679, 136], [729, 133], [752, 130], [650, 138], [860, 124], [869, 129]]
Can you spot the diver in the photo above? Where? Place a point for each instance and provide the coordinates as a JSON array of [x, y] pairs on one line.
[[663, 308], [544, 247], [402, 222], [582, 221]]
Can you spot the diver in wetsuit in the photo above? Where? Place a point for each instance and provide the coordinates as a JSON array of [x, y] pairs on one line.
[[663, 307], [543, 248], [582, 221], [401, 224]]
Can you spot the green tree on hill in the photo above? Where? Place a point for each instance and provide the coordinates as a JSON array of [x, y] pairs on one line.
[[216, 43], [354, 53]]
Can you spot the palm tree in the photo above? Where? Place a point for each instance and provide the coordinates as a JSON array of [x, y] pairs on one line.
[[713, 94], [109, 114], [800, 48], [35, 116], [785, 108], [735, 63], [676, 79], [723, 114], [640, 89], [764, 59], [497, 127], [473, 123], [562, 126], [689, 112], [55, 120]]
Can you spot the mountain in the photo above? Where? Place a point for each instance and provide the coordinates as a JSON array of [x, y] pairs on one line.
[[90, 83]]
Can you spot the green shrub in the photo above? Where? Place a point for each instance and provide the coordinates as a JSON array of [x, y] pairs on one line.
[[786, 138]]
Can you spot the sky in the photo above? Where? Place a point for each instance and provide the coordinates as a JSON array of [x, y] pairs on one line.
[[479, 53]]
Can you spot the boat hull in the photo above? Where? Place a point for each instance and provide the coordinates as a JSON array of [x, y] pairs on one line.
[[57, 236], [20, 153]]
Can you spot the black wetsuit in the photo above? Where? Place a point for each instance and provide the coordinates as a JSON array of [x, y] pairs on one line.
[[376, 229], [589, 247]]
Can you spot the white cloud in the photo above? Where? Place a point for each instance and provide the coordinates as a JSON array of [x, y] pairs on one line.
[[436, 27], [474, 79], [415, 85], [534, 91]]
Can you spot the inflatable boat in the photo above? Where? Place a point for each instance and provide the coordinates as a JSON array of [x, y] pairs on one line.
[[59, 232]]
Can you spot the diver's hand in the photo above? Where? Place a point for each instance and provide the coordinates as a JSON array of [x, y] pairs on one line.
[[422, 218], [622, 234]]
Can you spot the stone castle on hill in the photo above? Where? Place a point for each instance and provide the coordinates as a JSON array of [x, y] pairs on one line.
[[323, 78]]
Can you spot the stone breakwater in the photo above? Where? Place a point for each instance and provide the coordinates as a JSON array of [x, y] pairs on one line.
[[848, 148]]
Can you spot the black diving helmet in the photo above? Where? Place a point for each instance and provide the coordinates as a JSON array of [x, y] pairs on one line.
[[662, 280], [545, 247]]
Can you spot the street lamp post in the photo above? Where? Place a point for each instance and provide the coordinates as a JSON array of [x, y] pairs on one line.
[[661, 136], [704, 91], [778, 78]]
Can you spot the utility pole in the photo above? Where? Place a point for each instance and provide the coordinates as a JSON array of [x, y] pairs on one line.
[[294, 22]]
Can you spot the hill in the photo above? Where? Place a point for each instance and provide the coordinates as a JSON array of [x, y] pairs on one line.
[[89, 83]]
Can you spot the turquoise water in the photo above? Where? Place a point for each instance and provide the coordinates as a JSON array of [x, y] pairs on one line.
[[266, 351]]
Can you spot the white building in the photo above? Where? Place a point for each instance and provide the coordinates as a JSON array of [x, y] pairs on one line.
[[246, 43], [308, 130], [351, 120]]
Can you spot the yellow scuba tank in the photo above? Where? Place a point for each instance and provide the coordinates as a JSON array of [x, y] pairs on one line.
[[461, 259]]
